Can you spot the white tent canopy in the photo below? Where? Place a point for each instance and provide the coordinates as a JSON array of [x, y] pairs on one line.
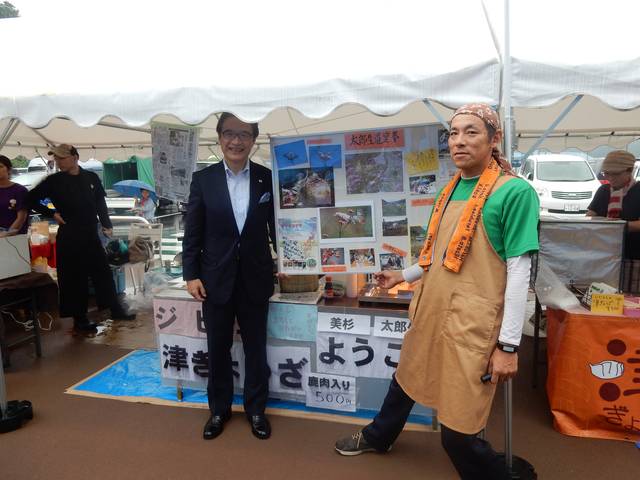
[[340, 65], [560, 49], [249, 59]]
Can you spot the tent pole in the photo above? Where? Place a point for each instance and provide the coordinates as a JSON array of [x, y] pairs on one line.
[[553, 126], [436, 113], [8, 131], [506, 86], [508, 148], [492, 31]]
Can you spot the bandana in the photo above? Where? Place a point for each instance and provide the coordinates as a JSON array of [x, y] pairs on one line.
[[489, 116], [460, 242]]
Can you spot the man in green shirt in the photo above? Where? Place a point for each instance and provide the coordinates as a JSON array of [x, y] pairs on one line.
[[467, 314]]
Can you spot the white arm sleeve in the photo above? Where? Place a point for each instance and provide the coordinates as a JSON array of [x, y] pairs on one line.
[[515, 299], [412, 273]]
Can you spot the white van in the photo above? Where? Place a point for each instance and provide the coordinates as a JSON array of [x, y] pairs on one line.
[[38, 164], [565, 184]]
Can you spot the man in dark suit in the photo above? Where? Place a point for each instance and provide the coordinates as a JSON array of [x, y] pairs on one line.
[[227, 264]]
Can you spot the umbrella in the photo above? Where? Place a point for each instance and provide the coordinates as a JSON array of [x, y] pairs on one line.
[[131, 188]]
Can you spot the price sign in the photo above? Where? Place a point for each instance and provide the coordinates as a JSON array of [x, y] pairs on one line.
[[607, 303], [334, 392]]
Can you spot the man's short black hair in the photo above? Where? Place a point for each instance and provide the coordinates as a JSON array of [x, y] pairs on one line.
[[227, 115]]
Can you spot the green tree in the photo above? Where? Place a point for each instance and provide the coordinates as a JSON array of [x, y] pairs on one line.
[[7, 10], [20, 161]]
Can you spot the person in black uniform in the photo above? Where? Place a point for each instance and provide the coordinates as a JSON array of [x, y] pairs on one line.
[[78, 197]]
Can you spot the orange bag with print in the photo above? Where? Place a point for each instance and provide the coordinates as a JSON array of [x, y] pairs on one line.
[[593, 383]]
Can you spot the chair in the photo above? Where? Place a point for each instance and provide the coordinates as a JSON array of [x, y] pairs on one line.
[[153, 232]]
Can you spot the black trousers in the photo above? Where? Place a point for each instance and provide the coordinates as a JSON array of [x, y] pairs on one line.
[[472, 457], [80, 256], [252, 320]]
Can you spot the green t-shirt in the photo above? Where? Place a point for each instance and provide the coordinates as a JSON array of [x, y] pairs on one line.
[[510, 215]]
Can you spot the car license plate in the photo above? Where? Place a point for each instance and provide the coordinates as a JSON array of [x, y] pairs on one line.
[[571, 207]]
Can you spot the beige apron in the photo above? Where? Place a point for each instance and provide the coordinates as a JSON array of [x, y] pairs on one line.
[[455, 322]]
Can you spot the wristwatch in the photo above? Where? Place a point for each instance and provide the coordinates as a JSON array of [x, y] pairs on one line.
[[505, 347]]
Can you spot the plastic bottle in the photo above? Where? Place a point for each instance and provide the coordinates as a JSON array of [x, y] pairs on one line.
[[328, 287]]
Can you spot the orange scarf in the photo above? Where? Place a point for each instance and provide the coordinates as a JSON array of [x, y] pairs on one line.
[[460, 243]]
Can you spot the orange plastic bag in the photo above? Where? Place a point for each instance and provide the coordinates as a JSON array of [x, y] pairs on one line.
[[593, 383]]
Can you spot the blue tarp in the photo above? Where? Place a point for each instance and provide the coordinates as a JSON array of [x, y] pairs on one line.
[[138, 375]]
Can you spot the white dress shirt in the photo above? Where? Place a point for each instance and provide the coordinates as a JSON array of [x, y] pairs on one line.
[[238, 185]]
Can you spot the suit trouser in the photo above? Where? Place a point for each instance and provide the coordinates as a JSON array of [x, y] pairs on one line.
[[252, 320], [472, 457], [80, 256]]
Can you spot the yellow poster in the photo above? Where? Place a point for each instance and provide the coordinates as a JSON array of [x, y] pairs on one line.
[[423, 161]]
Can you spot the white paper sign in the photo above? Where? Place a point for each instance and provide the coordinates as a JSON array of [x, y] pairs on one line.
[[183, 358], [357, 355], [390, 327], [344, 323], [334, 392], [186, 358], [289, 366], [179, 317], [175, 153]]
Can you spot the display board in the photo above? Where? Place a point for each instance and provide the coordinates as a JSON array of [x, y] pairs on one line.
[[356, 201]]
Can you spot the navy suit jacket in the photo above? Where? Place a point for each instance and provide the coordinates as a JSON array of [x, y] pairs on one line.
[[213, 249]]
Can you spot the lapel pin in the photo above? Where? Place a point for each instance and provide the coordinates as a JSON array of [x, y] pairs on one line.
[[259, 180]]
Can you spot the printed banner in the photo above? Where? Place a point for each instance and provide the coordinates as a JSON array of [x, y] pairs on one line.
[[357, 355], [179, 317], [186, 358], [288, 367], [374, 139], [593, 383], [390, 327], [344, 323]]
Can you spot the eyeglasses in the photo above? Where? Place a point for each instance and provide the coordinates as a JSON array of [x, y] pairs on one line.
[[240, 135]]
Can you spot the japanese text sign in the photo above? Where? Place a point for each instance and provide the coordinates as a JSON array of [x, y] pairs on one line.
[[331, 391], [344, 323], [607, 303]]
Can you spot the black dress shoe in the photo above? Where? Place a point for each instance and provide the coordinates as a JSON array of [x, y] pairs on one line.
[[83, 324], [260, 426], [215, 425], [118, 313]]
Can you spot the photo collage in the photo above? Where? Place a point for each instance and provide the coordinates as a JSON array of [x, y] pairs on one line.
[[357, 201]]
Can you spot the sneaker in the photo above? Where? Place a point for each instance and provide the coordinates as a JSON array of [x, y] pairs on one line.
[[354, 445]]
